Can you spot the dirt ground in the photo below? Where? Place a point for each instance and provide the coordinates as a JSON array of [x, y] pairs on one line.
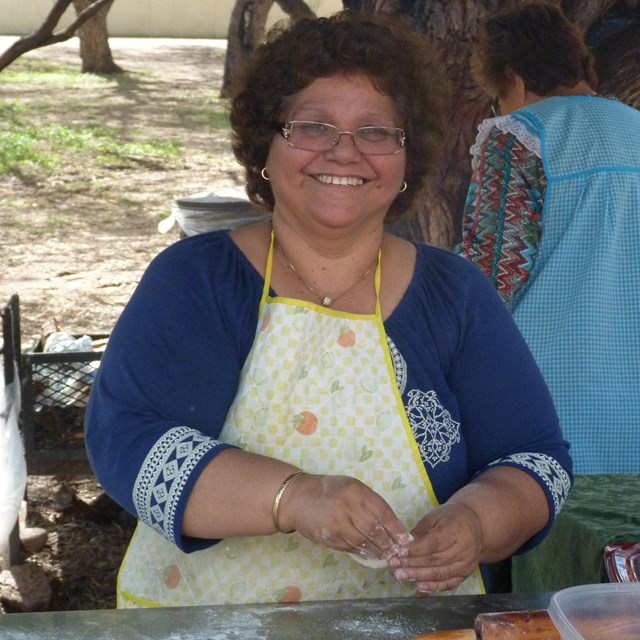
[[74, 243], [82, 272]]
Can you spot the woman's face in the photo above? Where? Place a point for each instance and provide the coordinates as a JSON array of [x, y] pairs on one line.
[[339, 188]]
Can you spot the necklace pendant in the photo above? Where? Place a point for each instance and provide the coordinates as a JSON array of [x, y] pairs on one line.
[[327, 301]]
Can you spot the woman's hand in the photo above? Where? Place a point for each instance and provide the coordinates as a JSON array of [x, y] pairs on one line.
[[343, 513], [446, 549], [234, 497], [485, 521]]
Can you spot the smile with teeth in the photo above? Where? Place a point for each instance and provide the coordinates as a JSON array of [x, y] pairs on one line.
[[340, 180]]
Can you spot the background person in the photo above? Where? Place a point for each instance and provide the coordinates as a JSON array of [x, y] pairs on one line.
[[551, 218], [390, 373]]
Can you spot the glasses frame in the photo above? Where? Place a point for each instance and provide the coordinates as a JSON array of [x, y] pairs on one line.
[[285, 130]]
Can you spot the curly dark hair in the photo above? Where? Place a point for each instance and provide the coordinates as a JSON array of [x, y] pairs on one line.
[[394, 55], [536, 41]]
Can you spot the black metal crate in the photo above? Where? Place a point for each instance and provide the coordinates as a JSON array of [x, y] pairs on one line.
[[55, 391]]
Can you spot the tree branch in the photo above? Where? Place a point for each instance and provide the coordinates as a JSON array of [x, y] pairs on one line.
[[44, 36], [297, 9]]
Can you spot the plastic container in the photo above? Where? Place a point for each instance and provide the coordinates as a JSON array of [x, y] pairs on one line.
[[597, 612], [622, 561]]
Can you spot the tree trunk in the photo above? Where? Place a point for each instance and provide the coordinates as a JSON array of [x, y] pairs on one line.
[[373, 6], [618, 61], [247, 28], [95, 52], [296, 9], [45, 36], [450, 29], [586, 13]]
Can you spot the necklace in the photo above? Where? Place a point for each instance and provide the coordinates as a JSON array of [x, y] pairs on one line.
[[325, 300]]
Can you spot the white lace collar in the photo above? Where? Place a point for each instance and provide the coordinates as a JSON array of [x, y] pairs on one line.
[[506, 124]]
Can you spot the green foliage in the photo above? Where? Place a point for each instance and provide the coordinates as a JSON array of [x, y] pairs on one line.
[[24, 147], [40, 72], [40, 135], [205, 110], [83, 151]]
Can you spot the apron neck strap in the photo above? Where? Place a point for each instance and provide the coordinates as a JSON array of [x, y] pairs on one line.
[[267, 272], [377, 280]]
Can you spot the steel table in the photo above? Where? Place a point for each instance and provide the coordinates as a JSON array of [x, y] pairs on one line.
[[380, 619]]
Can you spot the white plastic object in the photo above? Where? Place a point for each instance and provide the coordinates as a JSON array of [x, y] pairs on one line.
[[13, 466]]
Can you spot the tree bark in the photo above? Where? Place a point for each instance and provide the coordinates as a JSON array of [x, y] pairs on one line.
[[450, 29], [95, 52], [247, 28], [45, 36], [585, 13], [296, 9], [373, 6]]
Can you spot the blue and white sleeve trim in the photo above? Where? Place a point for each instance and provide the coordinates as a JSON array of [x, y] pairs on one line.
[[549, 473], [164, 474]]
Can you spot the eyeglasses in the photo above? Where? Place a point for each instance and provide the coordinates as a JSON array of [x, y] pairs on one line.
[[319, 136]]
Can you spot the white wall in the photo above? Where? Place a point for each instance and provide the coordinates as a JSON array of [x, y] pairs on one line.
[[146, 18]]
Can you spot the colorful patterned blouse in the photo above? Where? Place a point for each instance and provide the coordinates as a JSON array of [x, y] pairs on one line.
[[501, 223]]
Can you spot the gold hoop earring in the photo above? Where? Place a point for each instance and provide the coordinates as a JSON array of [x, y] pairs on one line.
[[264, 175], [404, 187]]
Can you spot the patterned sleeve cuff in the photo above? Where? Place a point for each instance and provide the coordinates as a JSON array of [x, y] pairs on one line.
[[548, 472], [507, 124], [159, 489]]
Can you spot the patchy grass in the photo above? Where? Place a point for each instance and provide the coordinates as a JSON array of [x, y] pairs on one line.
[[207, 110], [89, 164], [50, 74], [80, 149], [37, 139], [24, 147]]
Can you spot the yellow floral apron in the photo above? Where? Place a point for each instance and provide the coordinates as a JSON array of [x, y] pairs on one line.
[[317, 390]]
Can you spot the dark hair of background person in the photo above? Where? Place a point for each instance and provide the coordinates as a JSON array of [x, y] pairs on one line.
[[390, 51], [536, 41]]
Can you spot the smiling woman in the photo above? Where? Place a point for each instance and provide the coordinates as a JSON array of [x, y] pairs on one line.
[[416, 109], [339, 185], [312, 375]]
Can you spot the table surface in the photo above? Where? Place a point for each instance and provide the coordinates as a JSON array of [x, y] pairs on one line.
[[600, 509], [383, 619]]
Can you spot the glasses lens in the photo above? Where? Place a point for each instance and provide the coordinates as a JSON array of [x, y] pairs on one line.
[[311, 136], [378, 140]]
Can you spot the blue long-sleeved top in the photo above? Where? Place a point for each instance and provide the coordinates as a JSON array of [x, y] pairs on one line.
[[172, 365]]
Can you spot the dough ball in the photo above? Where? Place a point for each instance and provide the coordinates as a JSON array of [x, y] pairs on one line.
[[371, 563]]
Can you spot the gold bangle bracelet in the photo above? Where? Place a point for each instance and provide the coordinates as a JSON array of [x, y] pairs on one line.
[[276, 502]]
